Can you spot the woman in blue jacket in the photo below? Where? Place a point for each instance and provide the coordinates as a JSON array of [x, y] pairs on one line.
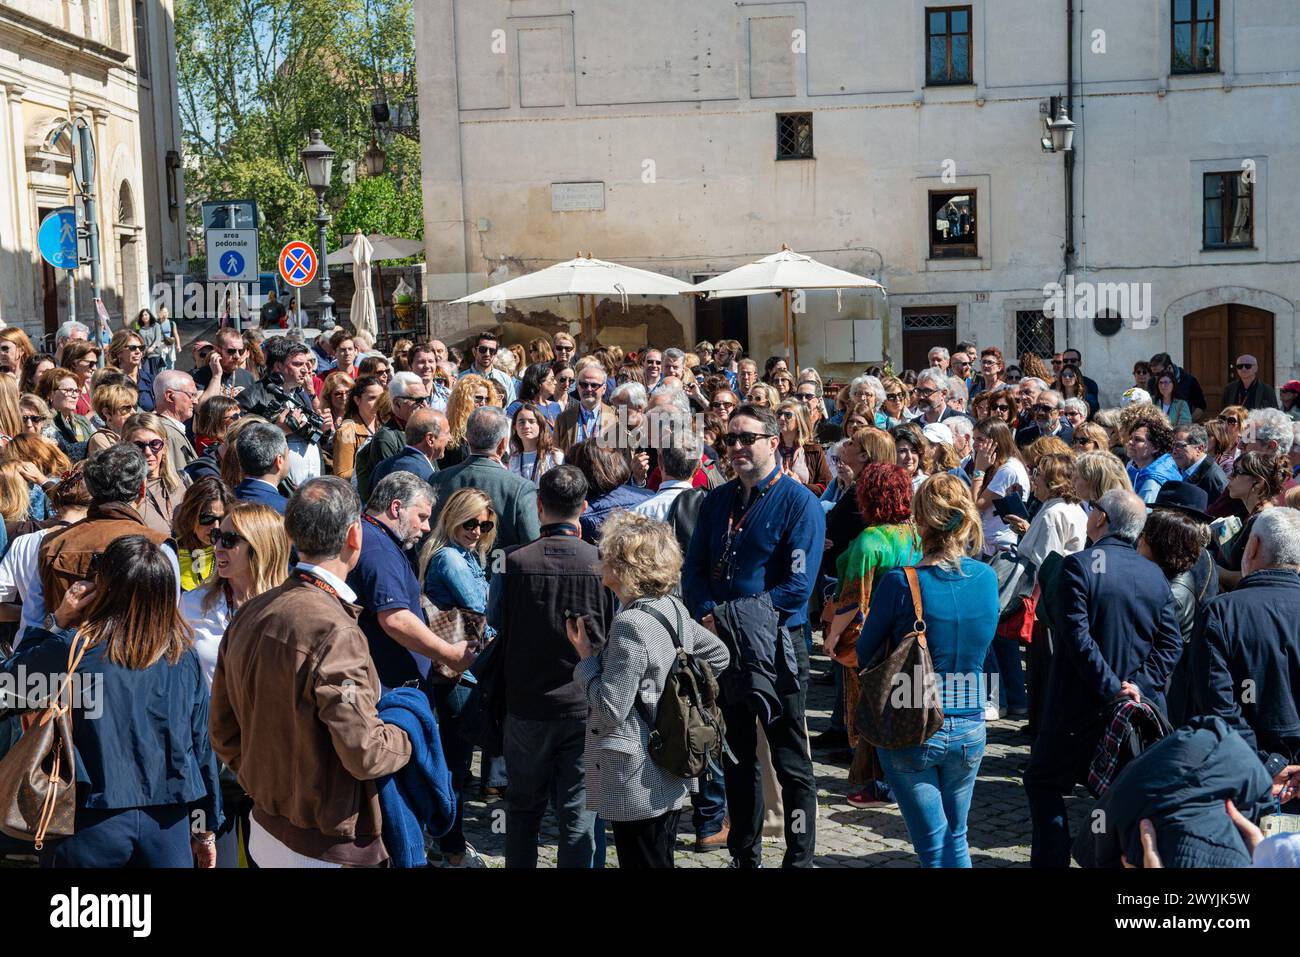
[[147, 791], [933, 781]]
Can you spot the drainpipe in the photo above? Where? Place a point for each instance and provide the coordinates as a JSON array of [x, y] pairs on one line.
[[1069, 156]]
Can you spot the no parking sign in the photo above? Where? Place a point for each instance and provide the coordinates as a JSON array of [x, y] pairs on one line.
[[297, 263]]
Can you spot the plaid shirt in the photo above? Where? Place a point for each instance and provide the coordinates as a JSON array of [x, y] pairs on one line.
[[1105, 761]]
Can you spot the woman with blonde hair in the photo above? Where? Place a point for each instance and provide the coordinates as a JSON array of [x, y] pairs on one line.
[[539, 350], [334, 394], [114, 403], [1045, 445], [764, 396], [1096, 473], [11, 416], [452, 575], [36, 417], [44, 455], [165, 488], [16, 493], [1089, 437], [897, 395], [641, 562], [783, 382], [1225, 432], [126, 352], [799, 456], [468, 393], [933, 781]]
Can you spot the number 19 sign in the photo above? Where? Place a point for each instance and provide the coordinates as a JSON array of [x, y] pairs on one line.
[[298, 263]]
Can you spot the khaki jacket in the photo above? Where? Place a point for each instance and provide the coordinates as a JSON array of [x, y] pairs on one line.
[[566, 424], [294, 716], [65, 554]]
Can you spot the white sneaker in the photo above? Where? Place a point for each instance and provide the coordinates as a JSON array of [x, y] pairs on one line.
[[992, 712], [470, 859]]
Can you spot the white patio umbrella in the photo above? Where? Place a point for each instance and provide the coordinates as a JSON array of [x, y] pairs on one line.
[[362, 312], [783, 272], [581, 277]]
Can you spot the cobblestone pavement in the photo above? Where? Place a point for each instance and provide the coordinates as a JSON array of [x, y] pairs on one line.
[[846, 836]]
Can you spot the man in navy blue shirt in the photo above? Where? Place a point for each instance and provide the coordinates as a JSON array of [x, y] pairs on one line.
[[427, 435], [761, 533], [401, 644]]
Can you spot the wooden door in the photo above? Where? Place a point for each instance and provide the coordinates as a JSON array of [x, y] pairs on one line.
[[1214, 337], [721, 318]]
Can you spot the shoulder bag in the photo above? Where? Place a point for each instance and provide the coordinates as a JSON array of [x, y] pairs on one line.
[[900, 705]]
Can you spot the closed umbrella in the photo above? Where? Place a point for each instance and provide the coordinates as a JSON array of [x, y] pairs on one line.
[[783, 272], [363, 297], [581, 277]]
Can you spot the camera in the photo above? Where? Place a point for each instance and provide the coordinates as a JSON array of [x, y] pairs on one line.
[[313, 426]]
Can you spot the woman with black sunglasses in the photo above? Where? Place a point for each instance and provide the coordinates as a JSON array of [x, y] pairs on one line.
[[201, 510], [451, 570]]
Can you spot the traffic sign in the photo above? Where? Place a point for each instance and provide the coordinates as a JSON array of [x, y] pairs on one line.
[[297, 263], [232, 255], [57, 238]]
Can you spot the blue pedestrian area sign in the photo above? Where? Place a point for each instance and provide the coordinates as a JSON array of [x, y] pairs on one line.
[[57, 238], [232, 255], [232, 264]]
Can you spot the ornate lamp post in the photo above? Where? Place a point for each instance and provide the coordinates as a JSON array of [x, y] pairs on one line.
[[318, 162]]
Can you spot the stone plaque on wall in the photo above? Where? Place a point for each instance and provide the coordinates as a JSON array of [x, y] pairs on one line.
[[569, 197]]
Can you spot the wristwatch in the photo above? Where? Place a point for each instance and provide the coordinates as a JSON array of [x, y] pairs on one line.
[[51, 623]]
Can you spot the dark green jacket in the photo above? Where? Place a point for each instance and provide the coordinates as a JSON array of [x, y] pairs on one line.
[[388, 441], [514, 498]]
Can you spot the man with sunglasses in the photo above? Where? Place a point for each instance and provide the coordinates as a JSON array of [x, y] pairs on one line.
[[406, 394], [1246, 389], [759, 537], [1047, 420], [590, 416], [228, 358], [485, 350], [1190, 454]]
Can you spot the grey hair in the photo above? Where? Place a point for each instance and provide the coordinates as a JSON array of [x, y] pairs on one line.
[[319, 515], [1194, 435], [115, 474], [673, 354], [1035, 381], [1295, 439], [960, 425], [1272, 425], [939, 351], [1109, 418], [1126, 514], [402, 383], [877, 387], [673, 397], [957, 389], [257, 447], [1278, 531], [68, 328], [401, 486], [1053, 395], [487, 428], [680, 447], [1077, 404], [633, 392], [937, 377], [173, 379]]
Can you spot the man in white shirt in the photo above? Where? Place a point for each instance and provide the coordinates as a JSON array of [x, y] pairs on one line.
[[679, 456]]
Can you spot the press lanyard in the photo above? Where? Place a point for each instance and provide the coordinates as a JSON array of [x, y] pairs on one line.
[[733, 526], [320, 583]]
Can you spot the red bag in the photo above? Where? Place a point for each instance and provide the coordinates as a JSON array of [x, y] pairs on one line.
[[1019, 625]]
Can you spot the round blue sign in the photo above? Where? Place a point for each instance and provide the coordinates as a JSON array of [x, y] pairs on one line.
[[232, 264], [57, 238]]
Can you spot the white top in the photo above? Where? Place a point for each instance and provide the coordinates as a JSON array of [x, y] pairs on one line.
[[658, 505], [997, 536], [521, 464], [209, 627], [1059, 526], [20, 578]]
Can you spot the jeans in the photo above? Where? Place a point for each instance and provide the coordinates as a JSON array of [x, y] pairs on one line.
[[933, 783], [1003, 658], [451, 702], [709, 804], [130, 837], [544, 761], [789, 746]]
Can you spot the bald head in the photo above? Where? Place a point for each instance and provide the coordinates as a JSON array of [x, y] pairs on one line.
[[1247, 369], [428, 430]]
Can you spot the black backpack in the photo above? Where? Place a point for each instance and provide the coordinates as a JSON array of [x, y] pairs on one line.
[[686, 735]]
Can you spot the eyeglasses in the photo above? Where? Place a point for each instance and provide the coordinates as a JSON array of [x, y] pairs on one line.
[[565, 380], [1081, 440], [474, 525], [486, 351], [1000, 407], [1245, 365], [722, 405], [411, 398], [70, 391], [747, 439], [785, 414], [925, 393], [121, 410], [654, 362], [1041, 409], [1058, 362], [33, 419], [226, 540], [590, 386], [480, 400], [806, 396], [207, 518], [894, 396], [134, 348], [234, 352], [153, 445]]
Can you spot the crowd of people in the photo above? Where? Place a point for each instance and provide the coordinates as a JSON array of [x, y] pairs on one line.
[[337, 572]]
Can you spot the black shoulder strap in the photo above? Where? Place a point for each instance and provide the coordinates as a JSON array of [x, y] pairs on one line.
[[641, 707]]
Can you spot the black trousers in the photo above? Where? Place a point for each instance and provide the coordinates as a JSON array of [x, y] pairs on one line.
[[648, 843], [1040, 654], [794, 772]]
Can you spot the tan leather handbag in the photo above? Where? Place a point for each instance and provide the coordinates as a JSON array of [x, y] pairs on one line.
[[38, 776], [453, 625], [901, 704]]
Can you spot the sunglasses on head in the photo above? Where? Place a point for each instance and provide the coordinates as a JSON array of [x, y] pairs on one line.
[[747, 439], [475, 525], [226, 540], [153, 445]]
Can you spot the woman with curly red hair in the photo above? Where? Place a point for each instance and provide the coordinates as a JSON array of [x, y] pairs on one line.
[[884, 494]]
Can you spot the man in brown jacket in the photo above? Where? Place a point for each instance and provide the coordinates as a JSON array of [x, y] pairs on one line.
[[116, 478], [294, 700], [589, 417]]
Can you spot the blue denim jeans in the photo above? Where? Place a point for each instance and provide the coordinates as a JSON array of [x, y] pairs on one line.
[[1003, 659], [544, 761], [709, 804], [933, 783]]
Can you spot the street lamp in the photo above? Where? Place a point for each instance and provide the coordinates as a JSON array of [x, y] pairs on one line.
[[375, 159], [1060, 131], [318, 162]]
